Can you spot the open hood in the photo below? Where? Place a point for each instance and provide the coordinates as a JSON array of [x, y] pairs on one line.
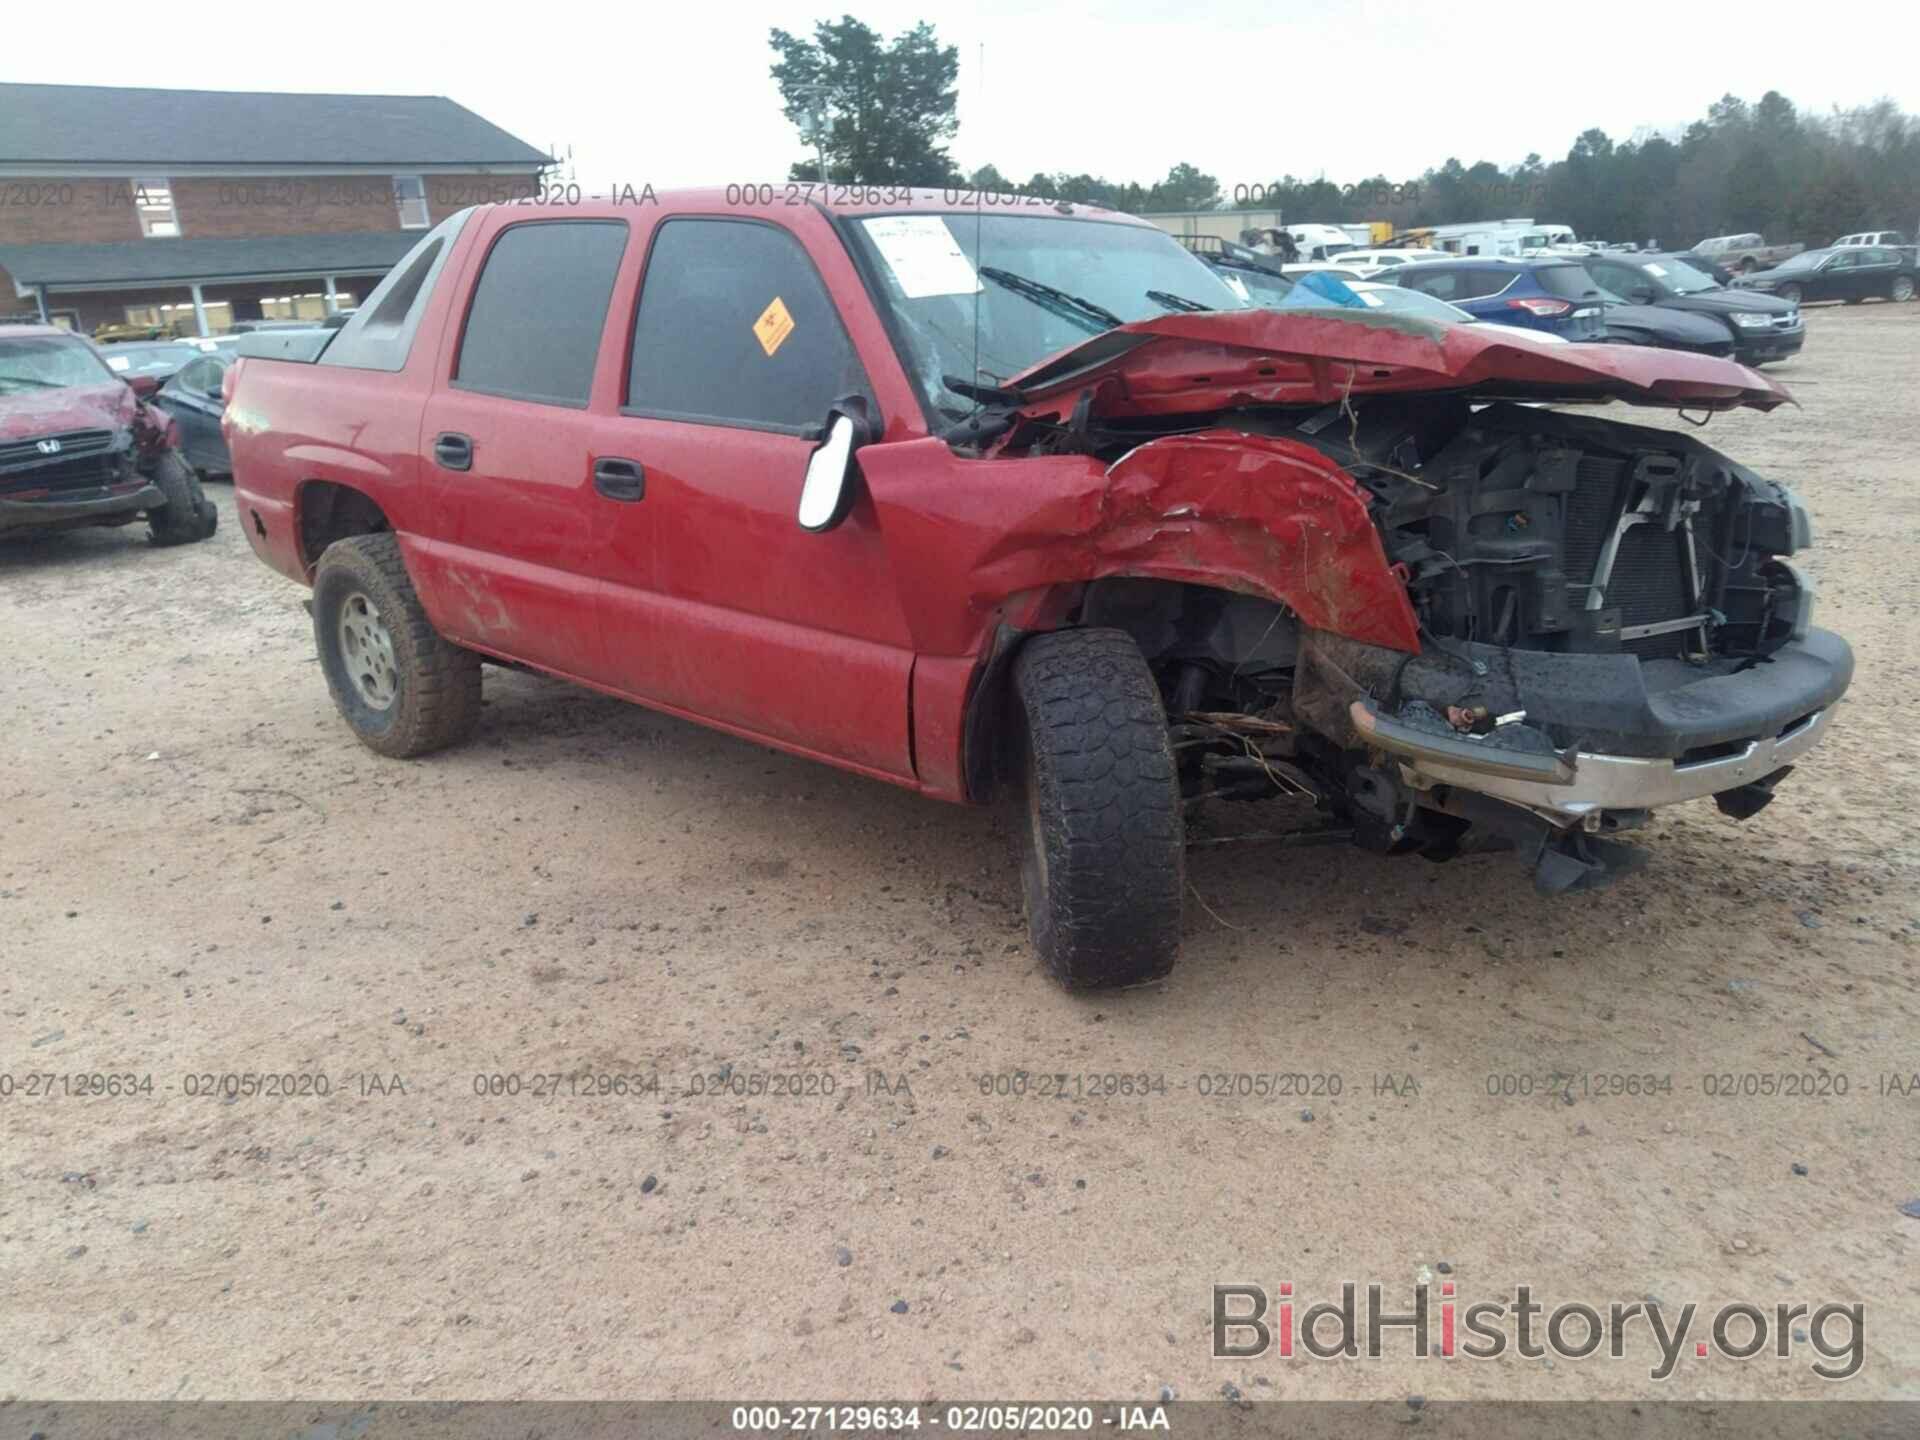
[[1177, 364]]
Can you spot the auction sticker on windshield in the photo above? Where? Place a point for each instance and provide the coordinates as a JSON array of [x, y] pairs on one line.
[[925, 258]]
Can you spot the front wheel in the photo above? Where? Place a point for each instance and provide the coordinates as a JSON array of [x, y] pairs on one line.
[[1789, 293], [1101, 840], [402, 688], [187, 515]]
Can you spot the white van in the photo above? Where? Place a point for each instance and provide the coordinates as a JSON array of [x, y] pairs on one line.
[[1320, 242]]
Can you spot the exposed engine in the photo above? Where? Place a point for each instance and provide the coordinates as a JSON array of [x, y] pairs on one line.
[[1567, 571]]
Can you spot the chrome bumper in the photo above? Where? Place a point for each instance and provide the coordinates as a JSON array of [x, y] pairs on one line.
[[1567, 788]]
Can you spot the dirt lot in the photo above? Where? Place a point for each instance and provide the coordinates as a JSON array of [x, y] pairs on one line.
[[202, 873]]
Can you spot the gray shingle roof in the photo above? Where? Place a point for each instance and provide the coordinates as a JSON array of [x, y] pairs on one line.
[[102, 125], [160, 262]]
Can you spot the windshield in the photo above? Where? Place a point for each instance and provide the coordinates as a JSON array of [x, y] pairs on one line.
[[930, 269], [46, 362], [1680, 277], [148, 359]]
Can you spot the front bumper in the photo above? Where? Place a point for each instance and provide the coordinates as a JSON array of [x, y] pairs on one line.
[[1762, 346], [1570, 786], [1679, 742], [16, 515]]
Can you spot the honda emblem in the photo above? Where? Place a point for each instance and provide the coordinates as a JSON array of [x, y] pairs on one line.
[[48, 447]]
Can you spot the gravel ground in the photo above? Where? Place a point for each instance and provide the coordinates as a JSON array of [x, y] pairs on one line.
[[201, 873]]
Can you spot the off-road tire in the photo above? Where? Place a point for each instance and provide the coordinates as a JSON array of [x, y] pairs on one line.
[[436, 700], [188, 514], [1101, 841]]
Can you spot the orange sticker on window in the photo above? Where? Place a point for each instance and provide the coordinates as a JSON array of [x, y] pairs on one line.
[[773, 326]]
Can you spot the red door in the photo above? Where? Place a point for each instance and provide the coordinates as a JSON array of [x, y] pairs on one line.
[[506, 446], [717, 603]]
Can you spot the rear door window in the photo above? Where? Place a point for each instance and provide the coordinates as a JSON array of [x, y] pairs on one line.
[[1619, 281], [1478, 284], [203, 376], [736, 327], [1568, 282], [533, 329], [1443, 283]]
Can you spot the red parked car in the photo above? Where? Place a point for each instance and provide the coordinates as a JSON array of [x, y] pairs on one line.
[[80, 445], [1023, 501]]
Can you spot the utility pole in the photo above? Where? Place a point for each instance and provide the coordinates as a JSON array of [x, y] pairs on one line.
[[815, 126]]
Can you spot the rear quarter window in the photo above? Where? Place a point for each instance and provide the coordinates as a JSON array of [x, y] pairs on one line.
[[1442, 283], [1568, 282], [379, 335]]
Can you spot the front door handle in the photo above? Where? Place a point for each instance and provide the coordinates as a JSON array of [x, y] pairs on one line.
[[453, 451], [619, 479]]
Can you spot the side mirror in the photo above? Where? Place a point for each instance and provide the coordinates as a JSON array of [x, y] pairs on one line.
[[145, 386], [827, 492]]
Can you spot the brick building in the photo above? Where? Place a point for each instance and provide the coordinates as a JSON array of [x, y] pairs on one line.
[[193, 209]]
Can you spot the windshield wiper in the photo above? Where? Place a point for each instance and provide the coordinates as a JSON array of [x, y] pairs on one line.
[[1071, 307], [981, 394], [1176, 302]]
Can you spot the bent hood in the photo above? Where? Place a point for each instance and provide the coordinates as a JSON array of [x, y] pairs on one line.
[[31, 414], [1177, 364]]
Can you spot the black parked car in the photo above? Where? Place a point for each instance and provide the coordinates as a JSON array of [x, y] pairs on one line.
[[1669, 329], [1849, 272], [192, 396], [1761, 327]]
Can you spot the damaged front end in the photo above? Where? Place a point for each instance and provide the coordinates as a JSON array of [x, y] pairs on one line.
[[67, 464], [1549, 625]]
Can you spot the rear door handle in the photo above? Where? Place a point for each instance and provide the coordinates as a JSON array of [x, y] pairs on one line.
[[453, 451], [619, 479]]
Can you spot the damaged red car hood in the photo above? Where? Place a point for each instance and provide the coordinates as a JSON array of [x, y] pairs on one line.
[[28, 415], [1175, 364]]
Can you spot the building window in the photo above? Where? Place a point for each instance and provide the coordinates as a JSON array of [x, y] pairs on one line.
[[154, 200], [410, 196], [179, 317]]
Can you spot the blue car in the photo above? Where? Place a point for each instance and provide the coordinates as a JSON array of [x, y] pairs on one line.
[[1555, 295]]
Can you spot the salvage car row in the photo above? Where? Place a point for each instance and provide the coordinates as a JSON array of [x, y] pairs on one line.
[[1637, 299], [105, 434]]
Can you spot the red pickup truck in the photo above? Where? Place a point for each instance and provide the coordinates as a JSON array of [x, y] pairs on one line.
[[1023, 501]]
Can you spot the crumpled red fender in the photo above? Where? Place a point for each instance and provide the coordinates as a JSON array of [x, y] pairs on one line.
[[1223, 508]]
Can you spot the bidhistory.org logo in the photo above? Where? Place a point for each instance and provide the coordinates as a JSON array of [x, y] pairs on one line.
[[1247, 1325]]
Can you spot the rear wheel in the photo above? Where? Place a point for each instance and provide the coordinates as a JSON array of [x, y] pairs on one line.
[[1100, 835], [187, 515], [1748, 265], [1902, 288], [402, 688]]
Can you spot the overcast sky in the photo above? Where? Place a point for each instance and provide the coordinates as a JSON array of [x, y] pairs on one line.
[[679, 94]]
